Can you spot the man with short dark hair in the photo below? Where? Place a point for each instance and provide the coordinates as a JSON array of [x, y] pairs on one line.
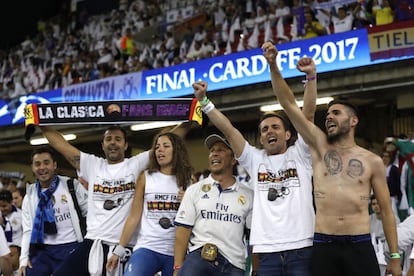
[[281, 177], [111, 191], [51, 228], [341, 193]]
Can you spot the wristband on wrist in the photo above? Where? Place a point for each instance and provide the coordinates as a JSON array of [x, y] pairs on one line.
[[395, 255], [177, 267], [207, 108], [309, 79], [204, 101], [119, 251]]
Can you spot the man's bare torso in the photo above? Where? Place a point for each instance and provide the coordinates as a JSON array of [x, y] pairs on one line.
[[342, 189]]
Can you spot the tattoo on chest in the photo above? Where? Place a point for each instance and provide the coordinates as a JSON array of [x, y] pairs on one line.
[[333, 162], [355, 168]]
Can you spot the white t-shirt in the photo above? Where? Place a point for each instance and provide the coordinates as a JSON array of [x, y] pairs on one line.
[[342, 25], [65, 231], [218, 217], [287, 222], [4, 249], [160, 201], [14, 224], [378, 238], [115, 183]]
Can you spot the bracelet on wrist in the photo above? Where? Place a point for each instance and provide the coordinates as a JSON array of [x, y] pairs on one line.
[[207, 108], [119, 250], [309, 79], [395, 256], [204, 101], [177, 267]]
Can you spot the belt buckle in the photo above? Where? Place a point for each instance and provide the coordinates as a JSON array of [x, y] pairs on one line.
[[209, 252]]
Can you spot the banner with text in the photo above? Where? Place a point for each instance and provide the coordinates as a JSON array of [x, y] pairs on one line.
[[332, 52], [110, 112], [391, 40]]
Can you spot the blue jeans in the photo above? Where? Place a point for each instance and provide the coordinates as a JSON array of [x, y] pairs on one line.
[[296, 262], [49, 258], [195, 265], [145, 262]]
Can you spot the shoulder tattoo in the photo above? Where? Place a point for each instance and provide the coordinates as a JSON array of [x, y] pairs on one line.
[[74, 161], [333, 162]]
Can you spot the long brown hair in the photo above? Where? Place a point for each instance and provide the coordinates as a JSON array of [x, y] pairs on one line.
[[181, 160]]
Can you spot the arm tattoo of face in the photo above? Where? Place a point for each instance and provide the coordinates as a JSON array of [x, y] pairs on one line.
[[355, 168], [333, 162], [75, 161]]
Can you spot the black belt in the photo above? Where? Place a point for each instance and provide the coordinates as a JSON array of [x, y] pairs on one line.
[[324, 238]]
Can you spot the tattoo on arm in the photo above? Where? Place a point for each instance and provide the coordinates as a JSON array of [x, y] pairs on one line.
[[355, 168], [333, 162], [318, 194], [75, 161]]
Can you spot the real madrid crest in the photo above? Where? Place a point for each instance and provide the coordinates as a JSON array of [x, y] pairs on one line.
[[242, 199], [206, 187], [64, 199]]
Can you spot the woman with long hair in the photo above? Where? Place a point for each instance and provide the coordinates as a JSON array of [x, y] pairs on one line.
[[158, 192]]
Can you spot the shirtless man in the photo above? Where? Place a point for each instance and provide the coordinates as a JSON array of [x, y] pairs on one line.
[[342, 242]]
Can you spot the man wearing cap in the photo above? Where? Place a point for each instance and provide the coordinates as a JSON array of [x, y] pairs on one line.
[[281, 176], [212, 218]]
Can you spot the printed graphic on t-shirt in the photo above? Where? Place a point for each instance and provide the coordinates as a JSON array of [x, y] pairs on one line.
[[114, 185], [281, 181], [162, 207]]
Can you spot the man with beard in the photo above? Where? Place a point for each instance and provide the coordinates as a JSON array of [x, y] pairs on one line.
[[110, 191], [342, 241]]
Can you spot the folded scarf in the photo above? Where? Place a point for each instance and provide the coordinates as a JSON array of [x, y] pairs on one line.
[[44, 221]]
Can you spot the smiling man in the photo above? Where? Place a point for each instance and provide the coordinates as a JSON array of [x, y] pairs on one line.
[[111, 184], [212, 218], [50, 222], [281, 177]]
